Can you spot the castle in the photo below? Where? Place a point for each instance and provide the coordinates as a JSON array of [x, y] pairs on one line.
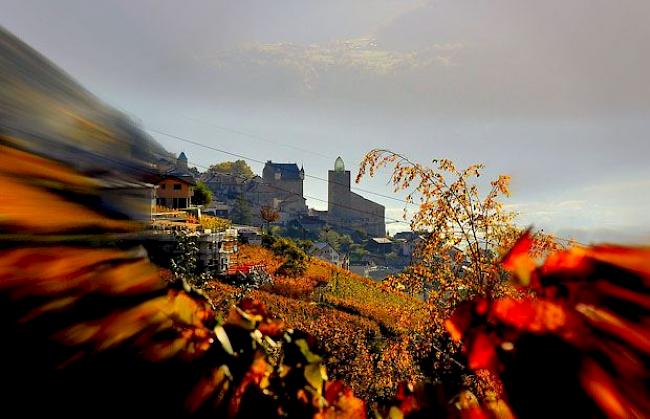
[[285, 183], [281, 188]]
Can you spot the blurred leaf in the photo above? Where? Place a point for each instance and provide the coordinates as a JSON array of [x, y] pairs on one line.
[[315, 375], [220, 333]]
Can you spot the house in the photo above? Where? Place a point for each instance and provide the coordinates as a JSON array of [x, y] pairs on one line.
[[406, 245], [406, 235], [283, 185], [176, 188], [175, 191], [218, 209], [325, 252], [360, 269], [380, 245], [225, 186]]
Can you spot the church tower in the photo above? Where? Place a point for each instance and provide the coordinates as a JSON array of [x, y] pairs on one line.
[[181, 163], [350, 210], [338, 190]]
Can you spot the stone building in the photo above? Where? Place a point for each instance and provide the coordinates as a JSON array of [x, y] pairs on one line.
[[284, 183], [225, 187], [280, 187], [349, 210]]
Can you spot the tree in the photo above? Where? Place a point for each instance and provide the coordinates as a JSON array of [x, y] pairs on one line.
[[330, 237], [357, 252], [241, 213], [194, 171], [467, 230], [236, 168], [345, 241], [359, 236], [339, 242], [269, 215], [295, 263], [202, 194], [295, 230], [305, 245], [183, 264]]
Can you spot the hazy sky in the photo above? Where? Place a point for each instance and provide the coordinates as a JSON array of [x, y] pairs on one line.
[[555, 93]]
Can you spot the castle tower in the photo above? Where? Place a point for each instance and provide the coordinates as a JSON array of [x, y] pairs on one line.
[[285, 181], [338, 190]]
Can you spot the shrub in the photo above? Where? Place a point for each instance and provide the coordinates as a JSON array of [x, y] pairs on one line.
[[202, 194], [215, 223], [268, 241], [305, 245], [293, 268], [295, 263]]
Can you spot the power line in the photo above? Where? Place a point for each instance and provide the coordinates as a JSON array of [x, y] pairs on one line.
[[311, 197], [241, 156], [393, 220], [260, 138], [343, 206], [204, 146], [310, 176]]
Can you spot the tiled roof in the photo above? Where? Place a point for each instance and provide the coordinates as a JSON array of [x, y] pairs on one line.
[[318, 246], [180, 175]]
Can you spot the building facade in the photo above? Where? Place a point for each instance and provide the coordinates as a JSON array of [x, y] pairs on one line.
[[280, 187], [176, 188], [284, 184], [324, 251], [349, 210]]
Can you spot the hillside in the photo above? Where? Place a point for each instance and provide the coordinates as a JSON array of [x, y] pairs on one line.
[[373, 338]]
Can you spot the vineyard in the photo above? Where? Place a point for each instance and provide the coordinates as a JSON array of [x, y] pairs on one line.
[[491, 319], [369, 335]]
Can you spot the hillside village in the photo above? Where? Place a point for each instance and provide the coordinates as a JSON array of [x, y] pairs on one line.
[[351, 233], [137, 285]]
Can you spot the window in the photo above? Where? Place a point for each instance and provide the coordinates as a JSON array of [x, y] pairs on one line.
[[177, 186], [163, 186]]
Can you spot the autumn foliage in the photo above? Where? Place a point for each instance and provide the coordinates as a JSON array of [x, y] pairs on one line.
[[90, 329], [100, 326], [466, 226], [370, 336], [576, 341]]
